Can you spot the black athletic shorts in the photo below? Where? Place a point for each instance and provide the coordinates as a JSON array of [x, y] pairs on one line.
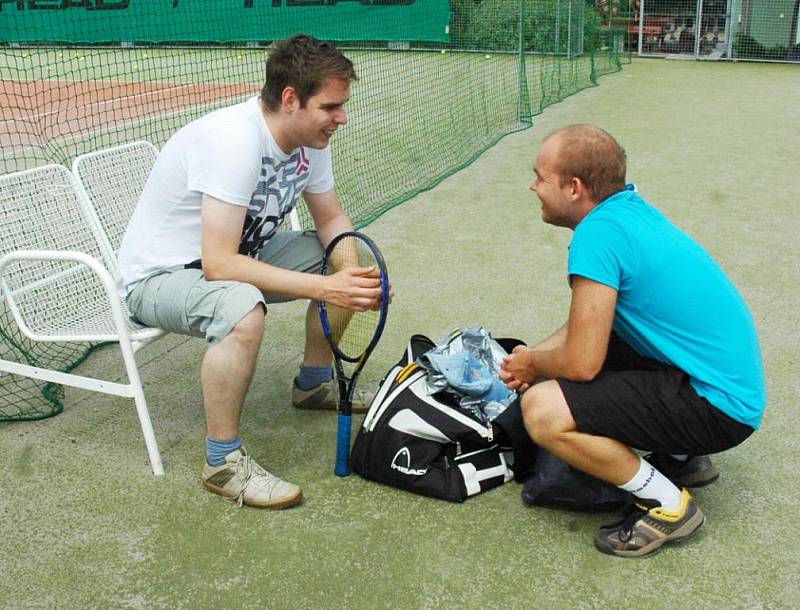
[[649, 405]]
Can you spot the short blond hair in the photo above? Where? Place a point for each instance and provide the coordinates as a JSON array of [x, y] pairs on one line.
[[593, 156]]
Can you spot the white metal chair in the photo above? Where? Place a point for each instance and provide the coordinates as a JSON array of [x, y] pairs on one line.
[[112, 179], [57, 275], [294, 219]]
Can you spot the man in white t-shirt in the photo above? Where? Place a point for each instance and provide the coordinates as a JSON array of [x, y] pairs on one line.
[[202, 254]]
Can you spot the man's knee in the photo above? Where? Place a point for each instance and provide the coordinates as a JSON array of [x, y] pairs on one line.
[[237, 310], [545, 412], [250, 328]]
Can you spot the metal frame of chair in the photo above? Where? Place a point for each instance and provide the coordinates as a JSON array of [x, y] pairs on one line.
[[58, 271]]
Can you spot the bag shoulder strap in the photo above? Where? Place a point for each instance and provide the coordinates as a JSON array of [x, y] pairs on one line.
[[417, 345]]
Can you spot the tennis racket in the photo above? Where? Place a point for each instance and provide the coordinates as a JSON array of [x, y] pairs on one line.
[[352, 335]]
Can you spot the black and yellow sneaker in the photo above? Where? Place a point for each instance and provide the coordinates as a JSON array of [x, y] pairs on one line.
[[648, 527], [696, 471]]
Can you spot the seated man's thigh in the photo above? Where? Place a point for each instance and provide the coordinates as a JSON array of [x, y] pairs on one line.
[[654, 410], [293, 250], [184, 302]]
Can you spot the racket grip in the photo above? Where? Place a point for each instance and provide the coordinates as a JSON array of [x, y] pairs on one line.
[[342, 468]]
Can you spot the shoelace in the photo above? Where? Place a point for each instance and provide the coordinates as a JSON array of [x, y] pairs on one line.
[[247, 469], [626, 524], [244, 469], [362, 396], [637, 512]]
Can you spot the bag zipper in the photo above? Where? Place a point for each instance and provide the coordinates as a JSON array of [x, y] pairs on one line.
[[485, 431], [463, 456]]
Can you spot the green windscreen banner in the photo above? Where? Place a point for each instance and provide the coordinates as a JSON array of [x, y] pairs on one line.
[[174, 21]]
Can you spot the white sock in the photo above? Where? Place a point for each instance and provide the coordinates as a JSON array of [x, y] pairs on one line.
[[649, 484]]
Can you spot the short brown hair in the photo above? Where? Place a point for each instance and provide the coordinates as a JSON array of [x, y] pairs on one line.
[[305, 63], [592, 155]]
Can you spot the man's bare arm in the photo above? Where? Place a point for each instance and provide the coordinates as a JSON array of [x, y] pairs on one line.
[[329, 217], [330, 220], [578, 350], [221, 233], [554, 340]]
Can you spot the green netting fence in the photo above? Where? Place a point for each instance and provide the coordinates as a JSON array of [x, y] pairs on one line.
[[439, 82]]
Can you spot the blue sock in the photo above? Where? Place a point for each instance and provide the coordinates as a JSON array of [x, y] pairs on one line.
[[312, 376], [217, 450]]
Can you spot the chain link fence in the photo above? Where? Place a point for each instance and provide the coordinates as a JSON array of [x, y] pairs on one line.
[[739, 30]]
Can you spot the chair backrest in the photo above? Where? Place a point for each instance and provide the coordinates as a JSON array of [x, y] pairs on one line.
[[113, 180], [294, 219], [42, 209]]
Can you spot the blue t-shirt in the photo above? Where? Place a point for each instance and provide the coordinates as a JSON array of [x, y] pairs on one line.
[[674, 302]]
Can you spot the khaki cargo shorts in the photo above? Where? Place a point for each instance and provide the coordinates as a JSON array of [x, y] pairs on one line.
[[183, 301]]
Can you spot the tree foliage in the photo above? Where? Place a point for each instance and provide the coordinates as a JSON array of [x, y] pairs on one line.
[[548, 26]]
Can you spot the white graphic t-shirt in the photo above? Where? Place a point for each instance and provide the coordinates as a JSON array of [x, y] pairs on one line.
[[230, 155]]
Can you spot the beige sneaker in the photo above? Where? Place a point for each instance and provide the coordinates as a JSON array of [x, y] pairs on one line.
[[243, 481], [325, 396]]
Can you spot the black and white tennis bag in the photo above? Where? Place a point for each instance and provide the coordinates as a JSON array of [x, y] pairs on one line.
[[427, 443]]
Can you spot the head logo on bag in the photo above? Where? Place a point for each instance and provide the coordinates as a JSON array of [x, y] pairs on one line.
[[402, 453]]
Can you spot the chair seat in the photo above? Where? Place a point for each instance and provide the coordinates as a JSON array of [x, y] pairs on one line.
[[98, 326]]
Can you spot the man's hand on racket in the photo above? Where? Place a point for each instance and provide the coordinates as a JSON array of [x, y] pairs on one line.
[[377, 274], [354, 289]]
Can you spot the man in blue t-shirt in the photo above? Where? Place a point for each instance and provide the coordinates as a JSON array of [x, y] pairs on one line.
[[659, 352]]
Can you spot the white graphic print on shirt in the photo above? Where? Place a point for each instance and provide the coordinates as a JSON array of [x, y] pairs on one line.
[[276, 194]]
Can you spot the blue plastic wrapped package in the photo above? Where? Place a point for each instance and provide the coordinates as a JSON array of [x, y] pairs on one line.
[[463, 372], [467, 363]]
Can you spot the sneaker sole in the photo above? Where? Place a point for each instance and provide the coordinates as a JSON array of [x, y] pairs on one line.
[[690, 479], [679, 535], [699, 479], [287, 502]]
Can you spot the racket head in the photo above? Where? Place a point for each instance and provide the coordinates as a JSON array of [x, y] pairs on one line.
[[353, 334]]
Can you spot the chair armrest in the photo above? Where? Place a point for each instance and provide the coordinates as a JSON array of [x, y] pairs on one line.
[[102, 274]]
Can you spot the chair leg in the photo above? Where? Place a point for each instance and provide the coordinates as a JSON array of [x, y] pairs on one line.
[[147, 430], [141, 407]]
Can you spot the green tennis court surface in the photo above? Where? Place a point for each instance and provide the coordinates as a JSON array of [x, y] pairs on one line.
[[85, 524]]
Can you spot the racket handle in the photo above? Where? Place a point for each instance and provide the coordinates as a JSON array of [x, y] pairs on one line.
[[342, 468]]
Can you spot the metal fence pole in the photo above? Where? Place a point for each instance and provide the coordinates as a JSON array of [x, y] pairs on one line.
[[521, 68], [641, 27], [729, 28], [698, 22], [569, 29], [558, 27]]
